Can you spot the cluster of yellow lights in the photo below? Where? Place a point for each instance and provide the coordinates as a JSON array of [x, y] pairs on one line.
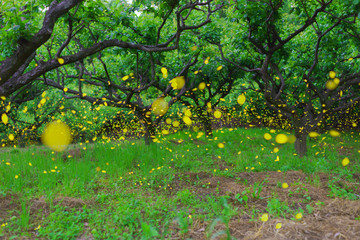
[[57, 135], [333, 83]]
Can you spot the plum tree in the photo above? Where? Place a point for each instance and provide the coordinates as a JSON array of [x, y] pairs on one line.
[[299, 55]]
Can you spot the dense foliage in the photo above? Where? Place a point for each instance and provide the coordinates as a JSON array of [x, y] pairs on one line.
[[293, 63]]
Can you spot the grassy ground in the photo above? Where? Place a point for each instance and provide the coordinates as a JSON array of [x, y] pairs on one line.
[[183, 186]]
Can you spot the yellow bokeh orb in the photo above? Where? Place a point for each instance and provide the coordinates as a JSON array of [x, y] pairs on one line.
[[217, 114], [168, 121], [178, 82], [187, 112], [4, 118], [160, 106], [11, 137], [56, 136], [164, 72], [345, 161], [334, 133], [267, 136], [201, 86], [264, 217], [291, 139], [331, 85], [332, 74], [313, 134], [241, 99], [176, 123], [61, 61], [278, 225], [281, 138], [187, 120]]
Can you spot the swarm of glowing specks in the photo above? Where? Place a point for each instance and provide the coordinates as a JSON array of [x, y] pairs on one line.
[[56, 136]]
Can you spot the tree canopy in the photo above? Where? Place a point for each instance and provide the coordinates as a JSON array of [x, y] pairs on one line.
[[295, 60]]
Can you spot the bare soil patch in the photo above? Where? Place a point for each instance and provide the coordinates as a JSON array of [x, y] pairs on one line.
[[346, 151], [313, 226], [8, 204], [66, 202], [334, 218]]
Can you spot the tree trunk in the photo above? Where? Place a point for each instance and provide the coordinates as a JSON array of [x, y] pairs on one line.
[[150, 131], [149, 128], [205, 121], [300, 142], [301, 132]]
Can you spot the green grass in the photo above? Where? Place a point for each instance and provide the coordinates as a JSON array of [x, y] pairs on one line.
[[145, 192]]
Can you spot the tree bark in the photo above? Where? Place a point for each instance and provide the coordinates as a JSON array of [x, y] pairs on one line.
[[149, 126], [205, 120], [207, 126], [301, 132], [300, 143], [12, 64], [150, 132]]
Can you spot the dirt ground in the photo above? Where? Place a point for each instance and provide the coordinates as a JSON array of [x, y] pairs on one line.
[[330, 218]]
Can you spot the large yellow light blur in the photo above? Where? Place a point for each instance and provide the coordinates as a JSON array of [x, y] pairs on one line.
[[160, 106], [178, 82], [56, 136], [241, 99]]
